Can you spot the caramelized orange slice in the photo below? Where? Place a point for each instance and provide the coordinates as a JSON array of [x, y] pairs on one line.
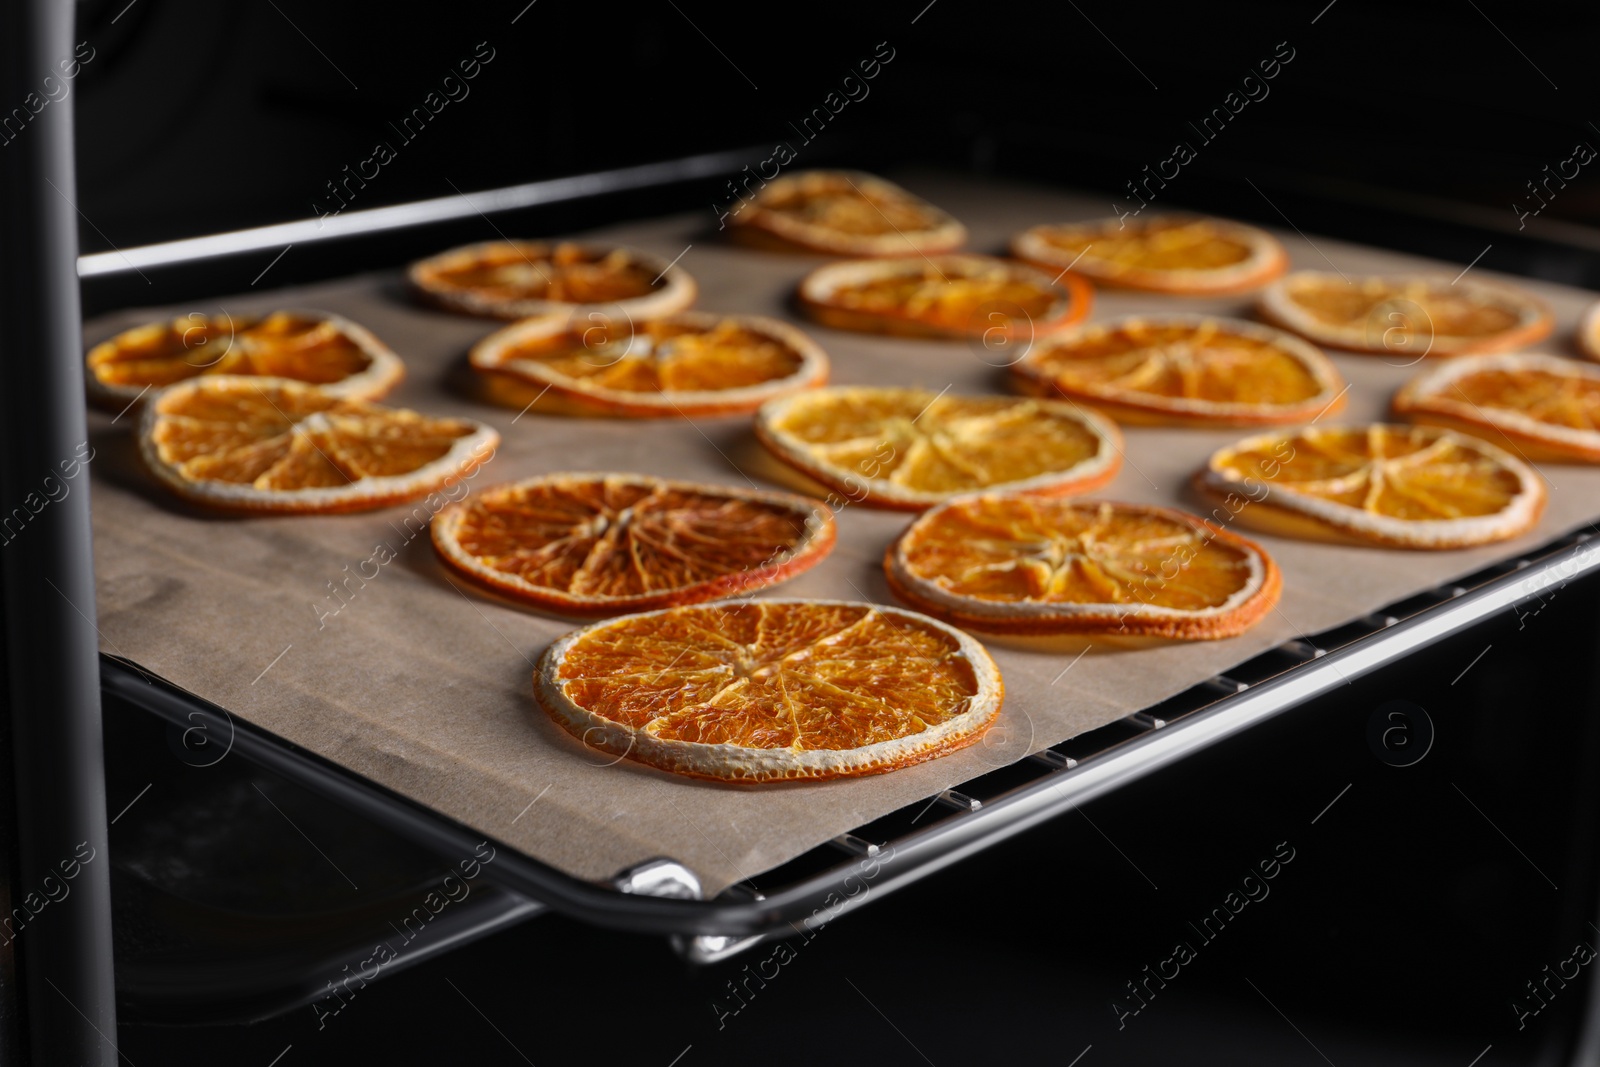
[[1541, 407], [1164, 254], [911, 449], [269, 445], [1012, 563], [1403, 486], [769, 690], [684, 365], [515, 279], [1184, 371], [844, 213], [610, 543]]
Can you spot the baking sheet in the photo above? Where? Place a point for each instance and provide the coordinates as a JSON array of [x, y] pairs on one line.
[[424, 685]]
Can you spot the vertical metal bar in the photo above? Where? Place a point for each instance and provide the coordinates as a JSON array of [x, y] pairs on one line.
[[60, 903]]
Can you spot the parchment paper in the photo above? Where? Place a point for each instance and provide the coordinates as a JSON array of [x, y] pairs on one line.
[[425, 686]]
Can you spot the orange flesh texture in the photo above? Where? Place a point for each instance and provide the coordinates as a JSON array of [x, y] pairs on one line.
[[567, 273], [280, 345], [659, 357], [1195, 245], [1413, 475], [946, 298], [1048, 550], [1385, 305], [606, 538], [944, 445], [1181, 362], [278, 439], [843, 206], [1572, 402], [771, 675]]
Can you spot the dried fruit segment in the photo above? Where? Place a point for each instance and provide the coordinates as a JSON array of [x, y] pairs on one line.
[[1544, 407], [515, 279], [1171, 254], [844, 213]]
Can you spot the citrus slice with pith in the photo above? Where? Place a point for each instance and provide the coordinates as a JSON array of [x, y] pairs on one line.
[[1010, 563], [1165, 254], [1184, 371], [844, 213], [1408, 316], [307, 346], [910, 449], [689, 364], [515, 279], [612, 543], [770, 690], [1402, 486], [1541, 407], [1589, 332], [269, 445], [944, 296]]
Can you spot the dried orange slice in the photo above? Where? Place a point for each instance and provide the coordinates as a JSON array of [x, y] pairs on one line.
[[1589, 332], [1012, 563], [514, 279], [308, 346], [692, 363], [610, 543], [1185, 371], [1165, 254], [910, 449], [270, 445], [768, 690], [1541, 407], [1403, 486], [844, 213], [1405, 315], [944, 296]]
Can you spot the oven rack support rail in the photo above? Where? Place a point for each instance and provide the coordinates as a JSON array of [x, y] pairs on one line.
[[662, 897]]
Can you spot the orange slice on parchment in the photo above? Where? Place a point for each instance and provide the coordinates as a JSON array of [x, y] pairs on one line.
[[844, 213], [515, 279], [983, 297], [769, 690], [307, 346], [1400, 486], [1165, 254], [1185, 371], [610, 543], [270, 445], [689, 364], [910, 448], [1407, 316], [1540, 407], [1010, 563]]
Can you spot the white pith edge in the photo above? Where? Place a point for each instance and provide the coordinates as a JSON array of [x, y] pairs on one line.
[[1430, 392], [678, 292], [799, 452], [462, 458], [1265, 251], [739, 762], [489, 354], [1276, 303], [1516, 518], [1306, 354], [820, 285], [931, 590], [818, 521], [383, 371], [945, 234]]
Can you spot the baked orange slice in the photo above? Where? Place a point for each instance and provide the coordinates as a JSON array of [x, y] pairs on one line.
[[610, 543], [1589, 332], [1401, 486], [1013, 563], [1187, 371], [515, 279], [271, 445], [1405, 315], [844, 213], [910, 449], [307, 346], [944, 296], [1165, 254], [771, 690], [1538, 406], [688, 364]]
